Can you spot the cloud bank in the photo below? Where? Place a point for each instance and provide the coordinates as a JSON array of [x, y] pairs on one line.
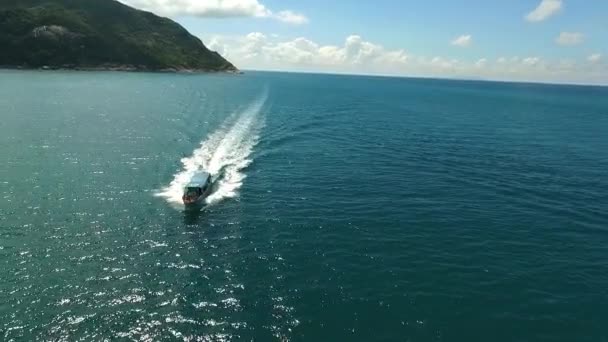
[[462, 41], [216, 9], [360, 56]]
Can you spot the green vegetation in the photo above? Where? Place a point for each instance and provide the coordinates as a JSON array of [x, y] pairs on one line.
[[97, 34]]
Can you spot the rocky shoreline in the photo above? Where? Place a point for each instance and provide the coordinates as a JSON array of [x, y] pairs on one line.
[[121, 68]]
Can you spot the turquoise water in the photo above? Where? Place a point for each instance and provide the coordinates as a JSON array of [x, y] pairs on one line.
[[346, 209]]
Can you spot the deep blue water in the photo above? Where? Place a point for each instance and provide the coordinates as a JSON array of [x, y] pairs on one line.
[[347, 208]]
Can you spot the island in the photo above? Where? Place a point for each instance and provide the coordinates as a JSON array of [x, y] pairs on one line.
[[98, 35]]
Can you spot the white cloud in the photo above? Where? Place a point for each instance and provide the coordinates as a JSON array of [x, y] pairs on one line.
[[205, 8], [359, 56], [254, 43], [394, 57], [481, 63], [359, 51], [216, 9], [462, 41], [594, 58], [299, 51], [569, 38], [439, 63], [544, 10], [216, 44], [291, 17], [531, 61]]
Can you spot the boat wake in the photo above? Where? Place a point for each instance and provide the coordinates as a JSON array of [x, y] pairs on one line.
[[224, 155]]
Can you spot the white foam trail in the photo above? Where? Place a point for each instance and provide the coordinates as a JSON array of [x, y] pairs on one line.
[[224, 154]]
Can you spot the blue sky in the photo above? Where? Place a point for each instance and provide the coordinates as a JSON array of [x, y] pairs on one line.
[[501, 39]]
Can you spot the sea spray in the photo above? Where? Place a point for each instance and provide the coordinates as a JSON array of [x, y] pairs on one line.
[[224, 154]]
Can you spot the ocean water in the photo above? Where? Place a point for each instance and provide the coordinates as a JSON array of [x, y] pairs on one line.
[[346, 209]]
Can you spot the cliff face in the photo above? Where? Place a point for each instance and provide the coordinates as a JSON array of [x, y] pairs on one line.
[[97, 34]]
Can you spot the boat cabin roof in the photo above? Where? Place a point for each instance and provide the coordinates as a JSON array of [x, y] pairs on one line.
[[199, 180]]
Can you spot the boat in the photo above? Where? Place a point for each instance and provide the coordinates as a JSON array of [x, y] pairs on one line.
[[197, 189]]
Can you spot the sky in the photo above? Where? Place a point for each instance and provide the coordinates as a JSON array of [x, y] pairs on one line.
[[561, 41]]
